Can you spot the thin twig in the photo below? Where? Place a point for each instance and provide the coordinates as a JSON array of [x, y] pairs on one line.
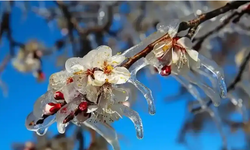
[[144, 52], [206, 16], [184, 26], [225, 22], [238, 77], [4, 62]]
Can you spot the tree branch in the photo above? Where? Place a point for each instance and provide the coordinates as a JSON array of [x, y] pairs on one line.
[[183, 26], [206, 16], [234, 15], [144, 52]]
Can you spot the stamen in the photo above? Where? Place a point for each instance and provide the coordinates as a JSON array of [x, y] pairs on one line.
[[108, 69], [69, 80]]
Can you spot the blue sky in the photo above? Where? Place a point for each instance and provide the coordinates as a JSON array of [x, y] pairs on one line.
[[160, 130]]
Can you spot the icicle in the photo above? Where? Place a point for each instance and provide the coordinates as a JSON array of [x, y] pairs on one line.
[[236, 98], [147, 93], [106, 131], [210, 92], [215, 115], [192, 90], [40, 129], [211, 68], [213, 112], [133, 116]]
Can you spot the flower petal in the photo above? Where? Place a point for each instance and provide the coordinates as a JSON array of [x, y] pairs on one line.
[[116, 60], [119, 75], [100, 78], [58, 80], [88, 59], [104, 54], [74, 64], [185, 42], [194, 64], [120, 95], [193, 54], [162, 47], [92, 92], [70, 92], [80, 83], [175, 57], [157, 50]]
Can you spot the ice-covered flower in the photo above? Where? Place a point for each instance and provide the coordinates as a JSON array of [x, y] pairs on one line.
[[64, 107], [98, 67], [58, 80], [176, 54]]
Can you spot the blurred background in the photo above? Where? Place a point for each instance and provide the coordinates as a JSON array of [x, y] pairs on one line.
[[43, 35]]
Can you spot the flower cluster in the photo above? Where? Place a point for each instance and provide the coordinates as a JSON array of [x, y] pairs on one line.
[[174, 54], [87, 93], [28, 59]]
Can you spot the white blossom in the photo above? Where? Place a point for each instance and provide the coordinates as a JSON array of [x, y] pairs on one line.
[[177, 53], [99, 67]]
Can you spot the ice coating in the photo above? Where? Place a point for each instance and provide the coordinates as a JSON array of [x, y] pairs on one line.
[[162, 29], [106, 131], [135, 118], [74, 64], [120, 95], [139, 47], [210, 92], [41, 102], [239, 98], [212, 111], [211, 67], [70, 92], [40, 128], [65, 111], [191, 89], [58, 80], [147, 93]]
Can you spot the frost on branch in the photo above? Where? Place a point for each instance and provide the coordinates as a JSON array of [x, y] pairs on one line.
[[87, 93]]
